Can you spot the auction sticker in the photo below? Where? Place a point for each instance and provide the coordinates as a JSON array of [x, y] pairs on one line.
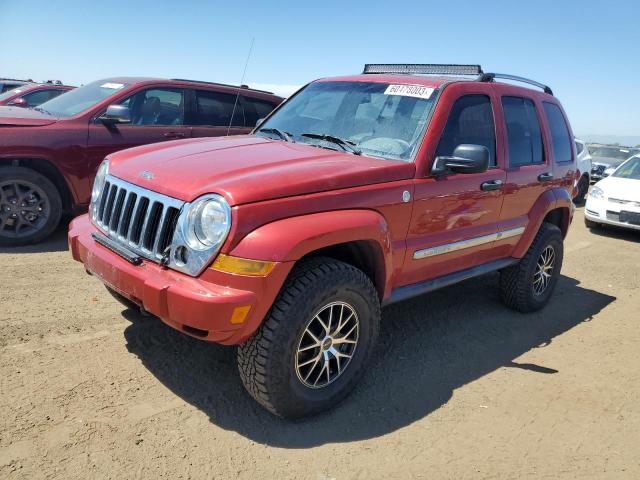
[[417, 91], [112, 86]]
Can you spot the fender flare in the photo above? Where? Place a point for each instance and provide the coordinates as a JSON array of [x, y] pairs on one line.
[[548, 201], [308, 233]]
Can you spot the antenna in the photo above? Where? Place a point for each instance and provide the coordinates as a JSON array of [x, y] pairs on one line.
[[235, 104]]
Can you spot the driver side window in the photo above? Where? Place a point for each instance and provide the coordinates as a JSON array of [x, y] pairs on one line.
[[156, 106], [470, 121]]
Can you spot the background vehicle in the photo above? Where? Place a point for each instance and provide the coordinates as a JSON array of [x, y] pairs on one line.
[[49, 154], [583, 162], [32, 95], [616, 199], [357, 192], [11, 83], [604, 157]]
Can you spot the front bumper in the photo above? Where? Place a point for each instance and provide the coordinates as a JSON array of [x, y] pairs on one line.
[[608, 213], [201, 307]]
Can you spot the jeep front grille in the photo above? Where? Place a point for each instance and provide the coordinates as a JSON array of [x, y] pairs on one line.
[[139, 219]]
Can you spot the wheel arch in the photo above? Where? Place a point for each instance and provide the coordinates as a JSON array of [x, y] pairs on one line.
[[358, 237], [48, 169]]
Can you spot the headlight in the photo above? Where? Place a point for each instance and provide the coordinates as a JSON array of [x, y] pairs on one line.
[[208, 223], [98, 183], [596, 193]]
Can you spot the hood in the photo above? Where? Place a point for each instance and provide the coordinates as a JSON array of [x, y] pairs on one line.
[[24, 117], [621, 188], [248, 168], [610, 161]]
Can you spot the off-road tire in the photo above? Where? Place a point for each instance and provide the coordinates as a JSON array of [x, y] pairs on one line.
[[267, 360], [516, 282], [53, 197]]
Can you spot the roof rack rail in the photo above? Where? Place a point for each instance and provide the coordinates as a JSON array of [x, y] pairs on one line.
[[422, 69], [17, 80], [221, 85], [490, 77]]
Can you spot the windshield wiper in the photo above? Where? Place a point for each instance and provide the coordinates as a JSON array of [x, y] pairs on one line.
[[40, 109], [286, 136], [346, 145]]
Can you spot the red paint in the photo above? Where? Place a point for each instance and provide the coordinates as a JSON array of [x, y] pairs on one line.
[[289, 200]]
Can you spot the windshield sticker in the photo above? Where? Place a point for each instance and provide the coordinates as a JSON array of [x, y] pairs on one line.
[[112, 86], [417, 91]]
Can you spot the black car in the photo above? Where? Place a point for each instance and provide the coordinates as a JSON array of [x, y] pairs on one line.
[[608, 156]]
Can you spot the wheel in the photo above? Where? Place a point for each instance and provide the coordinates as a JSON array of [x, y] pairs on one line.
[[528, 285], [590, 224], [583, 188], [30, 206], [122, 299], [316, 341]]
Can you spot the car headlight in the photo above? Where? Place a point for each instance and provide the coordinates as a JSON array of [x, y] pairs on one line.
[[99, 181], [208, 223], [597, 193]]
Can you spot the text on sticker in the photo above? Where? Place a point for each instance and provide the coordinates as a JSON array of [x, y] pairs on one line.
[[417, 91]]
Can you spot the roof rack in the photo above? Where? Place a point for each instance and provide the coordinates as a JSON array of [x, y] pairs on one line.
[[490, 77], [16, 80], [222, 85], [447, 69]]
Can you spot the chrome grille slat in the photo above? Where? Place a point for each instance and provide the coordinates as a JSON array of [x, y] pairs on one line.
[[141, 220]]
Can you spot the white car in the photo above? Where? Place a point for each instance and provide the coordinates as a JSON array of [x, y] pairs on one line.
[[583, 161], [615, 200]]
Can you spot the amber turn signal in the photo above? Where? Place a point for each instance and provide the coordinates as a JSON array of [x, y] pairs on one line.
[[242, 266]]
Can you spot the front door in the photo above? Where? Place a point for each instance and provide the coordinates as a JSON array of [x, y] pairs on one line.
[[157, 115], [455, 215]]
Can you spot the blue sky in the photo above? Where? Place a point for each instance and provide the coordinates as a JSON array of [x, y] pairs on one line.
[[586, 51]]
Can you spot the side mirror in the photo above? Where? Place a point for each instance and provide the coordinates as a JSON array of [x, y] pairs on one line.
[[116, 114], [18, 102], [466, 159], [259, 122]]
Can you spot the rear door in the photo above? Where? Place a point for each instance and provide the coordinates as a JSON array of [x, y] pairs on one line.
[[455, 216], [157, 115]]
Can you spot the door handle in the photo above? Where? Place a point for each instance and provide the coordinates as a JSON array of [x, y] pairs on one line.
[[545, 177], [491, 185], [174, 135]]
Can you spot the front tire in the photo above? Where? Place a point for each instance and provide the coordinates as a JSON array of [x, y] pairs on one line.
[[528, 285], [315, 343], [30, 207]]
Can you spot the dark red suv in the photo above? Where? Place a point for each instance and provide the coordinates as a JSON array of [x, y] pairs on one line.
[[33, 94], [49, 154]]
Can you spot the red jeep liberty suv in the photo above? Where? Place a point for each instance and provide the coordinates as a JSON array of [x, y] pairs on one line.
[[356, 192], [49, 154]]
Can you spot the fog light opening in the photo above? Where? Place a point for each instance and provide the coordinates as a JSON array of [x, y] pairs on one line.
[[181, 256]]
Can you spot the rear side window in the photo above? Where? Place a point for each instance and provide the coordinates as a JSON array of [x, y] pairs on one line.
[[524, 135], [215, 109], [470, 121], [254, 109], [559, 132]]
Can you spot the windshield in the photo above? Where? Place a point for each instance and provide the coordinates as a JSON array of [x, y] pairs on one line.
[[10, 93], [611, 152], [629, 169], [75, 101], [375, 119]]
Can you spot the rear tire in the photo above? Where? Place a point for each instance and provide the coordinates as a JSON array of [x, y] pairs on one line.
[[296, 365], [528, 285], [30, 207]]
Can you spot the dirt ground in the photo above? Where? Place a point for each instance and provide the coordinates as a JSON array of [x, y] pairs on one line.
[[460, 387]]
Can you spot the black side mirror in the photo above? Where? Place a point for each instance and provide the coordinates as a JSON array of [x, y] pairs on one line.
[[466, 158], [116, 114]]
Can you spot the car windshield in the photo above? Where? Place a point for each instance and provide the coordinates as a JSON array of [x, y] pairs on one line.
[[629, 169], [611, 152], [10, 93], [376, 119], [75, 101]]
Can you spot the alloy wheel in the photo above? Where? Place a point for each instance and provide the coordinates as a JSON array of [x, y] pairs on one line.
[[24, 208], [544, 270]]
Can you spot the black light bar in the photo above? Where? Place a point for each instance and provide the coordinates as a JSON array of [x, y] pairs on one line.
[[422, 69]]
